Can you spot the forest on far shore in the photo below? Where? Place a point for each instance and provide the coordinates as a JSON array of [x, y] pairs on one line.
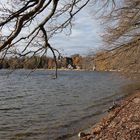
[[45, 62], [125, 59]]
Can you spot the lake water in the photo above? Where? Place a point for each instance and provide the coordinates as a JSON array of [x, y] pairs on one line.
[[37, 107]]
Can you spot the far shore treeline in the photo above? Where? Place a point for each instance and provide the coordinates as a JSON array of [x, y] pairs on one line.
[[43, 62], [126, 59]]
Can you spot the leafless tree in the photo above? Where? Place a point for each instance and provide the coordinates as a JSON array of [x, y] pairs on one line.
[[26, 26], [122, 23]]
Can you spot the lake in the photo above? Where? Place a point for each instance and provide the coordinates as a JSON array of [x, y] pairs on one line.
[[37, 107]]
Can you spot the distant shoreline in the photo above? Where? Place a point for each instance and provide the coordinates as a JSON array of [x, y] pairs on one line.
[[65, 69], [51, 69]]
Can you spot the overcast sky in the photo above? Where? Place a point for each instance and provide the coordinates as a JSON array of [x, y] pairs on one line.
[[85, 36]]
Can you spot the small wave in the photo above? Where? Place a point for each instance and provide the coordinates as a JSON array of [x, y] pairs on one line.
[[25, 135], [63, 105], [64, 137], [15, 97], [102, 101], [11, 108], [80, 119], [86, 117], [91, 115], [97, 105], [5, 128]]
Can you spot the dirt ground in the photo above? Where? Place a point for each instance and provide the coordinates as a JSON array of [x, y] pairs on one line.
[[121, 123]]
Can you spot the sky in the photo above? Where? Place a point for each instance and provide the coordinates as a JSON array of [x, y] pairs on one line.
[[84, 39]]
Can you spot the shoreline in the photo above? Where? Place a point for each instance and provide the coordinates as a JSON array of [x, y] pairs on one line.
[[66, 69], [121, 122]]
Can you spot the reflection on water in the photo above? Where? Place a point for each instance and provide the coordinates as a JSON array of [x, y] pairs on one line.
[[41, 108]]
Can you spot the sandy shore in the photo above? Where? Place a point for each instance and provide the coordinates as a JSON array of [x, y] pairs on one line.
[[121, 123]]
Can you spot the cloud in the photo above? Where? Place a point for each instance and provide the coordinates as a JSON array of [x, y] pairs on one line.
[[84, 36]]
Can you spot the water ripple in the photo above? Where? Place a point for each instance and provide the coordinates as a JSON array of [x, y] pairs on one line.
[[37, 107]]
